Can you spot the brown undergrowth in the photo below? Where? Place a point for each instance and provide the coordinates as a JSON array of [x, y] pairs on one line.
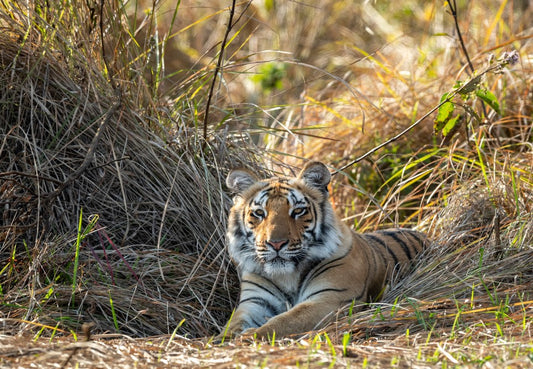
[[113, 203], [113, 206], [467, 302]]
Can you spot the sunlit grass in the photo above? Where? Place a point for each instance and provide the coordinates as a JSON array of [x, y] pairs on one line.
[[296, 82]]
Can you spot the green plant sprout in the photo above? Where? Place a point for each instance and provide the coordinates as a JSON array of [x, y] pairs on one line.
[[346, 336], [113, 313], [81, 235]]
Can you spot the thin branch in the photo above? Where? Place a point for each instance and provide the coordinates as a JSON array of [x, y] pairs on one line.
[[218, 68], [453, 9], [90, 152], [393, 138], [22, 174]]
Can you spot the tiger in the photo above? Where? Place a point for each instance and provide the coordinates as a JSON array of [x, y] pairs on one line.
[[296, 260]]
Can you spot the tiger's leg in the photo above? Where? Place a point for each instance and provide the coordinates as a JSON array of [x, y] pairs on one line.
[[249, 314], [301, 318], [260, 300]]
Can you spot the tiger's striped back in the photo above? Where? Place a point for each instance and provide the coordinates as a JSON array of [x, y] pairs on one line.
[[397, 246]]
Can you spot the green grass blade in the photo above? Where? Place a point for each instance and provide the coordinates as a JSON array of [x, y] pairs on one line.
[[113, 313], [77, 254]]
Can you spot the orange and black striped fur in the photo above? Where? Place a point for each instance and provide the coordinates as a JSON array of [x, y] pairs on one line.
[[297, 261]]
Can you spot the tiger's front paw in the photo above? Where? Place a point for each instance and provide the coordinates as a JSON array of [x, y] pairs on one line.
[[260, 333], [234, 334], [234, 330], [226, 336]]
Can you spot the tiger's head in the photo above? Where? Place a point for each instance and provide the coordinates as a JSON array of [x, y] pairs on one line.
[[280, 225]]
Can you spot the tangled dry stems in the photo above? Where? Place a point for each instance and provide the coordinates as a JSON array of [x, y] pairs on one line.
[[72, 146], [157, 248], [71, 141]]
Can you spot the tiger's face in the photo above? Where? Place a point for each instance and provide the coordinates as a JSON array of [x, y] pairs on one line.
[[276, 226], [281, 221]]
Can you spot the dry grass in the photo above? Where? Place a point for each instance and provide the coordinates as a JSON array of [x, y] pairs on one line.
[[99, 133], [77, 144], [467, 303], [393, 86]]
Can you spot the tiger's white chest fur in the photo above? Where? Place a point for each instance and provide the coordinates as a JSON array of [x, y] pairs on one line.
[[287, 282]]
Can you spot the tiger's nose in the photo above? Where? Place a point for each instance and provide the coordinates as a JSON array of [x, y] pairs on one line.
[[277, 245]]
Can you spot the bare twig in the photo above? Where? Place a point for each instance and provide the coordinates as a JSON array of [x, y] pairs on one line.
[[453, 8], [86, 328], [218, 68], [22, 174], [435, 108], [468, 86], [393, 138], [90, 153]]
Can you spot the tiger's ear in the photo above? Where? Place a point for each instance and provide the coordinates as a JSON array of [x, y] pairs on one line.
[[239, 180], [315, 174]]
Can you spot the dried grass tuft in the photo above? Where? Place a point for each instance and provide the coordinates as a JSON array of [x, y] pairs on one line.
[[475, 278], [78, 141]]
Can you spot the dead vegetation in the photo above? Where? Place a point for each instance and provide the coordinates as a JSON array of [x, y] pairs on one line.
[[113, 203], [101, 203]]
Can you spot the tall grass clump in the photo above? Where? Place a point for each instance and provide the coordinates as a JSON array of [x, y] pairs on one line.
[[113, 203]]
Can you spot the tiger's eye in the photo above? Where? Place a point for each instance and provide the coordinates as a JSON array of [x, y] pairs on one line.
[[258, 213], [298, 211]]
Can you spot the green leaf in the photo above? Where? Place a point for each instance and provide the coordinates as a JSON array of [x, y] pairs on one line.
[[270, 76], [444, 113], [471, 85], [451, 126], [489, 98]]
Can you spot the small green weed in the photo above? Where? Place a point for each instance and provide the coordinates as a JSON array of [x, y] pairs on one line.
[[171, 338], [113, 313], [345, 342], [226, 329], [81, 235], [427, 320]]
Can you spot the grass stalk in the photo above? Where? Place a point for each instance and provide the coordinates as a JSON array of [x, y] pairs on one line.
[[79, 239], [113, 313]]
